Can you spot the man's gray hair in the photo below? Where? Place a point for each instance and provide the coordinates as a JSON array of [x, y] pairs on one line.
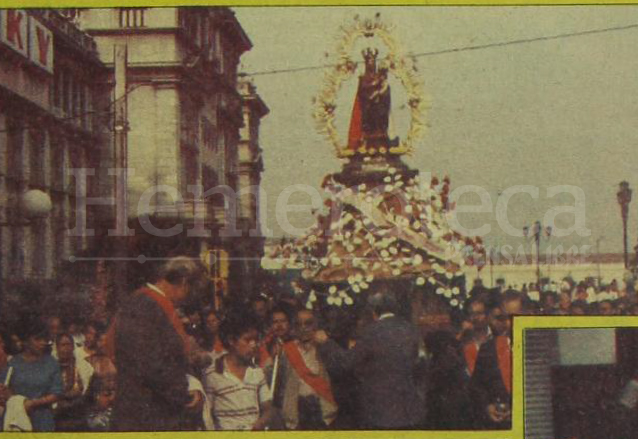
[[181, 268], [383, 302]]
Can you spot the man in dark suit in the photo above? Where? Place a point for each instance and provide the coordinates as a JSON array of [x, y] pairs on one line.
[[385, 358], [151, 353], [491, 383]]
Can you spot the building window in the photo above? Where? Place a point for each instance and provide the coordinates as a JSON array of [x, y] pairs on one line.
[[36, 158], [132, 17], [15, 138]]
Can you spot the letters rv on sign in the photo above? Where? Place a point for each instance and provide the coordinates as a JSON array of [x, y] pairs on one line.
[[27, 36]]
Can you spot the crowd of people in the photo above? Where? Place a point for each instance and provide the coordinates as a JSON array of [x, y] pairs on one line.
[[273, 363]]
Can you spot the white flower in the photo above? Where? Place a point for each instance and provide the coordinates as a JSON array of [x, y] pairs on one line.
[[387, 179], [356, 288], [351, 279], [440, 290], [420, 280], [416, 225], [332, 289], [385, 254], [370, 278], [348, 300], [408, 209], [388, 188], [394, 250], [392, 171], [362, 187], [336, 260], [448, 293], [309, 305], [313, 296], [454, 302], [330, 300], [338, 301], [456, 291], [350, 248], [396, 272], [364, 285], [432, 280], [449, 275], [324, 261], [417, 260]]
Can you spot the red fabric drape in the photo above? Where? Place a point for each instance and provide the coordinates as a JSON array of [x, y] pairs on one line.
[[355, 132], [318, 384], [504, 353]]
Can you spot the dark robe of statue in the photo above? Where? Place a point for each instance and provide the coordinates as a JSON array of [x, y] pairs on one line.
[[371, 112]]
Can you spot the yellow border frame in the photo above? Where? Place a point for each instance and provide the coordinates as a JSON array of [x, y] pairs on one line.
[[521, 323]]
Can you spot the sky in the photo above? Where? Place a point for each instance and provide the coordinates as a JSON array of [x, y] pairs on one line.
[[543, 113]]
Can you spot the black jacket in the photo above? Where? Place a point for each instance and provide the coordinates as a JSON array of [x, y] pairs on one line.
[[152, 388], [487, 387], [384, 359]]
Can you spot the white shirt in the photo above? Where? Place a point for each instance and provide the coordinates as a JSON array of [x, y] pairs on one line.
[[235, 403]]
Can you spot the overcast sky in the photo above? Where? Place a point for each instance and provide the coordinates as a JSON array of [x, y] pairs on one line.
[[543, 113]]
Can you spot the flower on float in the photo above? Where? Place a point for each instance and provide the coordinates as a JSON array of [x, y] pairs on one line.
[[338, 301], [448, 293], [358, 277], [387, 179], [351, 279], [348, 300], [350, 248], [388, 188], [392, 171], [332, 289], [420, 280], [394, 250], [362, 187], [312, 297], [456, 291], [454, 302], [440, 290], [449, 275], [324, 261], [385, 254], [370, 278], [364, 285], [432, 280], [396, 272], [309, 305], [417, 259], [356, 288]]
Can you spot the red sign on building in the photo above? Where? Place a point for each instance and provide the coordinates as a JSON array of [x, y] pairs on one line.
[[27, 36]]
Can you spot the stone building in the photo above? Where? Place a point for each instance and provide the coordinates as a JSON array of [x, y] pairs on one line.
[[184, 114], [54, 107]]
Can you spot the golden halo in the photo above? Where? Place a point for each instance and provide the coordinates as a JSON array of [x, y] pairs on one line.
[[402, 67]]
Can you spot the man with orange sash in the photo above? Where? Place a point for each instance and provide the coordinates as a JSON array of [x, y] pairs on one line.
[[307, 402], [491, 384], [151, 354]]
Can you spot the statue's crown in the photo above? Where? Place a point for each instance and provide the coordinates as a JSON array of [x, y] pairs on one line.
[[370, 55]]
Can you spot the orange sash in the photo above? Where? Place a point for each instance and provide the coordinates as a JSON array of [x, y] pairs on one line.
[[317, 383], [470, 352], [168, 308], [504, 354]]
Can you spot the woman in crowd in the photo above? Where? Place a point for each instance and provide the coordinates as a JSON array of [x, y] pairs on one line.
[[35, 375], [76, 376]]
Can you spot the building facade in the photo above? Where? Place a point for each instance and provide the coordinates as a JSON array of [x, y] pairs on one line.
[[184, 114], [54, 117]]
